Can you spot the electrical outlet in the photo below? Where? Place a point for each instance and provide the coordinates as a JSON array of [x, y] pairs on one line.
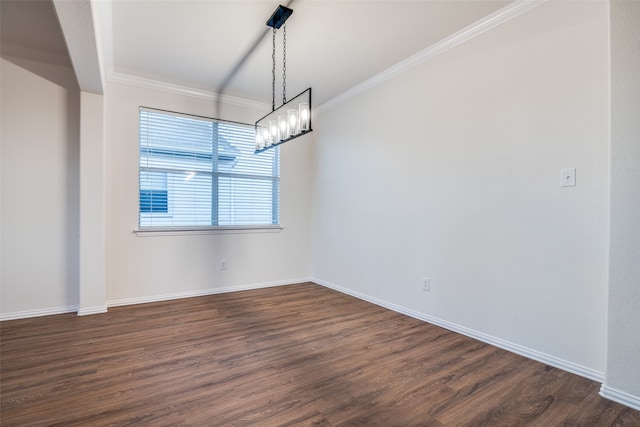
[[426, 284], [568, 177], [223, 264]]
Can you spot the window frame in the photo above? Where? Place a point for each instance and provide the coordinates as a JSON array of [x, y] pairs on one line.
[[158, 230]]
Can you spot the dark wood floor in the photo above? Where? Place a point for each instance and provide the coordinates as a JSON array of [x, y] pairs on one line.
[[293, 355]]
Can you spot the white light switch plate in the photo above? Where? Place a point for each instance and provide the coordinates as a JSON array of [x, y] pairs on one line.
[[568, 177]]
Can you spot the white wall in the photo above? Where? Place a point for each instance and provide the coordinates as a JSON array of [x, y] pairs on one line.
[[143, 268], [623, 339], [92, 286], [452, 170], [40, 195]]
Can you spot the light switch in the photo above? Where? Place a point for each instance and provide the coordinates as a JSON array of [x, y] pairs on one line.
[[568, 177]]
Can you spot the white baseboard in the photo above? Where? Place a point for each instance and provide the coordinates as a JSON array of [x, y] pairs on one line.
[[565, 365], [85, 311], [38, 313], [141, 300], [203, 292], [620, 396]]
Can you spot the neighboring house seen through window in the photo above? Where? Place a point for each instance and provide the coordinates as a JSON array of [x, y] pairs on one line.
[[199, 172]]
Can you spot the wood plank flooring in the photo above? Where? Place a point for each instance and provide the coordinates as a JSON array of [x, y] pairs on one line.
[[283, 356]]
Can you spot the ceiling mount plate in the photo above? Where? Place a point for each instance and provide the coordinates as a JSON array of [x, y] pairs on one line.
[[279, 17]]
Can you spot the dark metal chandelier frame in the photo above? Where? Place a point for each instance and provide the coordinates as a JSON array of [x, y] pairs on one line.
[[293, 118]]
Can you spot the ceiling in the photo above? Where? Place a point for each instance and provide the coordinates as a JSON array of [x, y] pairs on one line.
[[18, 21], [331, 45]]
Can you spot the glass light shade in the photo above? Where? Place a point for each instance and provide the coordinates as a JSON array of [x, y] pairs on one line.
[[259, 138], [292, 121], [305, 116], [273, 132], [282, 128]]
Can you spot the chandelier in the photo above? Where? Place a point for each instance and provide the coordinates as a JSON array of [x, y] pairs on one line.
[[293, 118]]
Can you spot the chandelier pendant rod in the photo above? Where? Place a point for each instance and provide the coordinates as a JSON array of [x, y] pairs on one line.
[[273, 73], [284, 64]]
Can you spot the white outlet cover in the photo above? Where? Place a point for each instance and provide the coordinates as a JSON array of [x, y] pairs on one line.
[[568, 177]]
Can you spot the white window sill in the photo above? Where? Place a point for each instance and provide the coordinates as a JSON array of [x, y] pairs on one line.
[[185, 231]]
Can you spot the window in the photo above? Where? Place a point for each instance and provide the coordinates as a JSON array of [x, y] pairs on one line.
[[199, 172], [153, 192]]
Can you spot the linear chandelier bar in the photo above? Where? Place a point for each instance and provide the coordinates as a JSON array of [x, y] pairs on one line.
[[291, 120]]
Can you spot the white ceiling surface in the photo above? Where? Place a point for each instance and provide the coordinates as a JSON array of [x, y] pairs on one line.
[[331, 45]]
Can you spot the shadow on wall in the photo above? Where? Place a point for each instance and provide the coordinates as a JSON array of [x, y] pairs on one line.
[[42, 52]]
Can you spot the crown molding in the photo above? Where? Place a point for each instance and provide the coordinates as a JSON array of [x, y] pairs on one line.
[[517, 8], [176, 89]]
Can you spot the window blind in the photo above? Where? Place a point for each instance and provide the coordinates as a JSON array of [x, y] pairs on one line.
[[201, 172]]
